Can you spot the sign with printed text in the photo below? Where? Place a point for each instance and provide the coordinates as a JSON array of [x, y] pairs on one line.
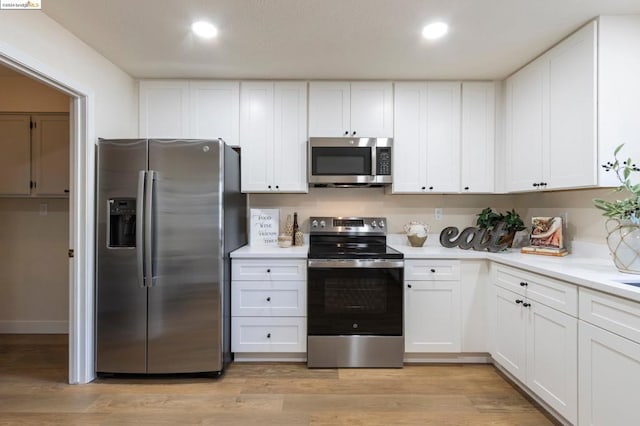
[[20, 4], [264, 227]]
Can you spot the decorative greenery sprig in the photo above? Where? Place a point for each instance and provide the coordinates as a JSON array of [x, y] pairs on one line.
[[487, 218], [627, 209]]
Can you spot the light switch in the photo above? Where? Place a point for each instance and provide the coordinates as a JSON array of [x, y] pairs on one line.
[[43, 209]]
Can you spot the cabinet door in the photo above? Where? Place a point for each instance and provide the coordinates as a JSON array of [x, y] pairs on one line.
[[50, 143], [443, 137], [609, 373], [526, 112], [164, 109], [290, 130], [552, 358], [215, 110], [15, 161], [432, 316], [509, 337], [372, 109], [329, 109], [571, 148], [410, 140], [478, 137], [256, 136]]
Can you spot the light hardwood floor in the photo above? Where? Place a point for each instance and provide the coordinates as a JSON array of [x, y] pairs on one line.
[[33, 390]]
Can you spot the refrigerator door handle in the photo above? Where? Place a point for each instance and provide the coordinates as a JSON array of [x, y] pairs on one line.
[[148, 229], [140, 228]]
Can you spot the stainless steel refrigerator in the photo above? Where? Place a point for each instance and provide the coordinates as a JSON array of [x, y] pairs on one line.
[[169, 212]]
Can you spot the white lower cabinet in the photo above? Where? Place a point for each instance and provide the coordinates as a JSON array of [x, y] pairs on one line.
[[609, 362], [536, 344], [268, 305], [432, 306]]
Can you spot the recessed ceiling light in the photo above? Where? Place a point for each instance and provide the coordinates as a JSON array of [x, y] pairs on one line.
[[204, 29], [435, 30]]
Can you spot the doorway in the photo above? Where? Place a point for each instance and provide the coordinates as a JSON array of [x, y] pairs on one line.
[[81, 211]]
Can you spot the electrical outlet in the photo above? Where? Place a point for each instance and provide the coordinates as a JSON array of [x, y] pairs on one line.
[[438, 213], [43, 209]]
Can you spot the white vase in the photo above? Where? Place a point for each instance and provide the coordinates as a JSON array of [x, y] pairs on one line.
[[623, 240]]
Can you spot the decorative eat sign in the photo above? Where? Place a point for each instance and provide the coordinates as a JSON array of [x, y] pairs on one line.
[[475, 238]]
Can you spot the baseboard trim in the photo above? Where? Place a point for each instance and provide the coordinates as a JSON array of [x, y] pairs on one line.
[[447, 358], [270, 357], [34, 327]]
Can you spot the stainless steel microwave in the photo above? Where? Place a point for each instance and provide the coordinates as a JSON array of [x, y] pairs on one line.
[[350, 161]]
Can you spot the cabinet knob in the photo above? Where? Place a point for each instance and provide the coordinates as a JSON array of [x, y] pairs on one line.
[[268, 335], [408, 285], [424, 187], [526, 305], [518, 301], [277, 187], [66, 191], [268, 299], [535, 185], [432, 270], [466, 188], [346, 132], [523, 284], [354, 133], [543, 183], [431, 187], [269, 186], [268, 270]]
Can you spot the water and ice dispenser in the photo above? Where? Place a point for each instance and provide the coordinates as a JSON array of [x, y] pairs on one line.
[[122, 222]]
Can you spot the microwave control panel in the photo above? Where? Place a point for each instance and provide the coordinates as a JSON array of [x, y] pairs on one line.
[[383, 160]]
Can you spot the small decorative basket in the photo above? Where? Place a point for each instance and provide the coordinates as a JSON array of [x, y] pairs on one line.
[[416, 241]]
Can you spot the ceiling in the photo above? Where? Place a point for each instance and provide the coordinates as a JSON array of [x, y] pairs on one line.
[[326, 39]]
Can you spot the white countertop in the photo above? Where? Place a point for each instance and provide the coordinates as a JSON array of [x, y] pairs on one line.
[[583, 269]]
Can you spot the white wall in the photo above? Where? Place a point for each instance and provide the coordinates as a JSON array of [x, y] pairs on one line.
[[33, 33]]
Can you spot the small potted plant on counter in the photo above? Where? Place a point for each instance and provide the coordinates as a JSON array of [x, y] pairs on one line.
[[487, 219], [623, 225]]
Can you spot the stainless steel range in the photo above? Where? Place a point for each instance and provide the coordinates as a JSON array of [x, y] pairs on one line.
[[355, 295]]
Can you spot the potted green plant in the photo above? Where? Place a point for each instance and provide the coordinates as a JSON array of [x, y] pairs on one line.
[[487, 219], [623, 224]]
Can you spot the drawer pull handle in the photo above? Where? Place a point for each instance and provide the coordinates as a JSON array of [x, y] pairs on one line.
[[268, 299], [526, 305], [523, 284], [433, 270], [268, 335], [518, 301]]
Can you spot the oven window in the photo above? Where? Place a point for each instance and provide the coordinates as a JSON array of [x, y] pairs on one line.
[[341, 161], [354, 301]]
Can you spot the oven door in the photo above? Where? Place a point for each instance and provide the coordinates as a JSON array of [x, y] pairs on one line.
[[355, 297]]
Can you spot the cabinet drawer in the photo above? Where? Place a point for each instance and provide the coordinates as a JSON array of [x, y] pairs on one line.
[[431, 270], [269, 269], [554, 293], [271, 298], [615, 314], [268, 334]]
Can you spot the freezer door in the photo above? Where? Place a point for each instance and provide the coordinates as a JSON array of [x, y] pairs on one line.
[[184, 305], [121, 301]]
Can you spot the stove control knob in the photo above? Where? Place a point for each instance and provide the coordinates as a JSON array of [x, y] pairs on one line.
[[373, 224], [314, 224], [323, 224], [381, 223]]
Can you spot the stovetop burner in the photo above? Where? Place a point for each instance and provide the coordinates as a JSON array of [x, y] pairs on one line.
[[350, 238]]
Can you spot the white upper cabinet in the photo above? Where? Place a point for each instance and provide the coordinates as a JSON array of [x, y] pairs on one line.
[[426, 149], [50, 141], [214, 107], [568, 110], [35, 155], [164, 109], [478, 137], [273, 127], [15, 162], [351, 109], [190, 109]]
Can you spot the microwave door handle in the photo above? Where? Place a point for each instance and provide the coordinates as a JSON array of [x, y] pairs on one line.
[[374, 161], [140, 226]]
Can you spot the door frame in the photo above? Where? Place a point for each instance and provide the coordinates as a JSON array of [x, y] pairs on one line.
[[81, 207]]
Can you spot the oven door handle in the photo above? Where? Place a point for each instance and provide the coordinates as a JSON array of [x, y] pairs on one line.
[[354, 263]]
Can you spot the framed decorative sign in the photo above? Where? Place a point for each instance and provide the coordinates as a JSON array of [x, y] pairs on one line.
[[264, 227]]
